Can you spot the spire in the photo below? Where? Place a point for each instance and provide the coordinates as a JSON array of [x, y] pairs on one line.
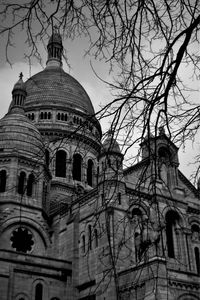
[[18, 94], [55, 49]]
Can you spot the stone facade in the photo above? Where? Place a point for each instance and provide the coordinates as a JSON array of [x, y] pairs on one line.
[[73, 223]]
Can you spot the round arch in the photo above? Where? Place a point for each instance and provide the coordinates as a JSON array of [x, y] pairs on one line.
[[167, 209], [140, 206], [25, 221], [43, 284], [21, 296], [188, 296]]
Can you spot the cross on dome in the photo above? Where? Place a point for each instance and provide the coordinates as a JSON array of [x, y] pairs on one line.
[[21, 75]]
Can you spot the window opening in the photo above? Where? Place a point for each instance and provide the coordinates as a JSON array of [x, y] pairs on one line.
[[119, 199], [90, 237], [38, 291], [21, 183], [77, 165], [90, 172], [47, 157], [2, 181], [30, 183], [195, 232], [61, 163], [22, 240], [96, 237], [83, 243], [197, 259], [172, 219]]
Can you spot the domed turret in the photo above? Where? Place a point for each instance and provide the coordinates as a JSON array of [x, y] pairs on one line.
[[19, 134], [16, 131], [110, 159], [18, 94], [110, 145]]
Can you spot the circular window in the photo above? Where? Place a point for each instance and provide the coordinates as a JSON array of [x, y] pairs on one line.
[[22, 240]]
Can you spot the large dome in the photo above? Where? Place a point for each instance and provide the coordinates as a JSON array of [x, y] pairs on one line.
[[53, 87]]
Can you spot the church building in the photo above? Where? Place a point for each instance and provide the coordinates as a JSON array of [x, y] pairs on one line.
[[75, 224]]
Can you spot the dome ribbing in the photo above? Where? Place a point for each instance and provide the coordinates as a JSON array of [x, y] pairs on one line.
[[55, 88]]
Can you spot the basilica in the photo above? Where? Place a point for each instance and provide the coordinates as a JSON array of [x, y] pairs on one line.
[[74, 223]]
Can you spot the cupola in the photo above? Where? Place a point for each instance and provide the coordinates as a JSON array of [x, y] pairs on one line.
[[17, 132], [55, 49], [18, 94], [110, 158]]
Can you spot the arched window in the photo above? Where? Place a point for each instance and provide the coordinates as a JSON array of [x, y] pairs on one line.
[[61, 163], [42, 116], [172, 219], [65, 117], [137, 246], [62, 117], [96, 237], [47, 157], [49, 115], [197, 259], [90, 237], [58, 116], [90, 172], [195, 233], [119, 196], [83, 243], [77, 166], [137, 232], [30, 183], [136, 217], [2, 181], [164, 161], [21, 183], [38, 291], [44, 194]]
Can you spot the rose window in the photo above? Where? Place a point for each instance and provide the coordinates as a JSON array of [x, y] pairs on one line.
[[22, 240]]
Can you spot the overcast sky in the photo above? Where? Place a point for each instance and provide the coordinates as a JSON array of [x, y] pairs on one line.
[[82, 71]]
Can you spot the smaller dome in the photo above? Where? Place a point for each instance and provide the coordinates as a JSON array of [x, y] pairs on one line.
[[110, 145], [19, 134], [18, 95], [19, 85]]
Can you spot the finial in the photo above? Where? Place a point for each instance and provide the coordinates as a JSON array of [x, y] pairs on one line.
[[21, 75], [55, 29], [110, 131], [161, 130]]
